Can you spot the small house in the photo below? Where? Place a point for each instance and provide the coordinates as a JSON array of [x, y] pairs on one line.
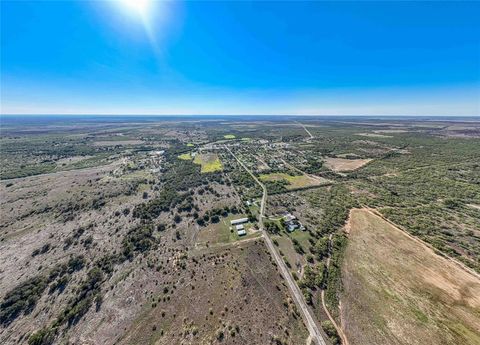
[[291, 227], [289, 217]]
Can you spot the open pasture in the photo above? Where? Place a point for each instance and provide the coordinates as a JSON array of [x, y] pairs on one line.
[[209, 162], [293, 182], [398, 291]]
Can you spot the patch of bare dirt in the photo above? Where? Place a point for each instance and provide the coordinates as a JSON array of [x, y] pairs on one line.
[[343, 164], [398, 291]]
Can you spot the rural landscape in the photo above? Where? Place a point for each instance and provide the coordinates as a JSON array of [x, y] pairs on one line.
[[239, 172], [239, 230]]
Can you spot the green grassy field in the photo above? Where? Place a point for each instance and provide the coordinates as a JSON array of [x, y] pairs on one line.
[[185, 156], [229, 136], [294, 182], [209, 162], [302, 237], [221, 233]]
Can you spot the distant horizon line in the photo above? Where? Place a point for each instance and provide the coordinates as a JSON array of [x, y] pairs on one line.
[[213, 115]]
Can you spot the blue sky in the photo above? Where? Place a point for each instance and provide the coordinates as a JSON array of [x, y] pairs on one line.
[[238, 57]]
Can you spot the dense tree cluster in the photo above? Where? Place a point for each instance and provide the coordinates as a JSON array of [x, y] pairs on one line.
[[138, 239], [337, 208], [272, 227], [276, 187], [176, 189], [22, 298], [331, 332], [213, 215]]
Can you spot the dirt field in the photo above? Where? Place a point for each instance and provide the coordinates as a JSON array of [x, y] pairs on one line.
[[398, 291], [342, 164], [391, 131], [374, 135]]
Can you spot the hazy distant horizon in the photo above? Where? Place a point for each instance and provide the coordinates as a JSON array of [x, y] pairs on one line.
[[241, 116]]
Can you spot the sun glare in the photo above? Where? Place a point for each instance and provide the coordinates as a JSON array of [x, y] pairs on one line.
[[151, 14], [139, 6]]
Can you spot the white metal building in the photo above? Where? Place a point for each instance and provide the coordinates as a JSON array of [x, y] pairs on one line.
[[238, 221]]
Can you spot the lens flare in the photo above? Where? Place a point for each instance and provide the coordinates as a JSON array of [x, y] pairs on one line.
[[151, 14], [139, 6]]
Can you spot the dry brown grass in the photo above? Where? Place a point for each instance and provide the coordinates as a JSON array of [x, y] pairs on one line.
[[398, 291], [236, 280], [374, 135], [343, 164], [294, 182], [237, 291]]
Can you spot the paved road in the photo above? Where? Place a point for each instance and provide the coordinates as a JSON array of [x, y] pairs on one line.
[[315, 333]]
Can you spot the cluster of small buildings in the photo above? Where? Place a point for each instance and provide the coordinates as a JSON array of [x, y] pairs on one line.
[[156, 153], [156, 160], [239, 225], [292, 223]]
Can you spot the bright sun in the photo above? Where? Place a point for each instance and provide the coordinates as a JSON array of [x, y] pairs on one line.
[[139, 6]]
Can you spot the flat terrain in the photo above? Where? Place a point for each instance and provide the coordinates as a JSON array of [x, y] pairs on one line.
[[223, 232], [117, 231], [118, 142], [185, 156], [398, 291], [374, 135], [218, 301], [343, 164], [209, 162], [294, 182]]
